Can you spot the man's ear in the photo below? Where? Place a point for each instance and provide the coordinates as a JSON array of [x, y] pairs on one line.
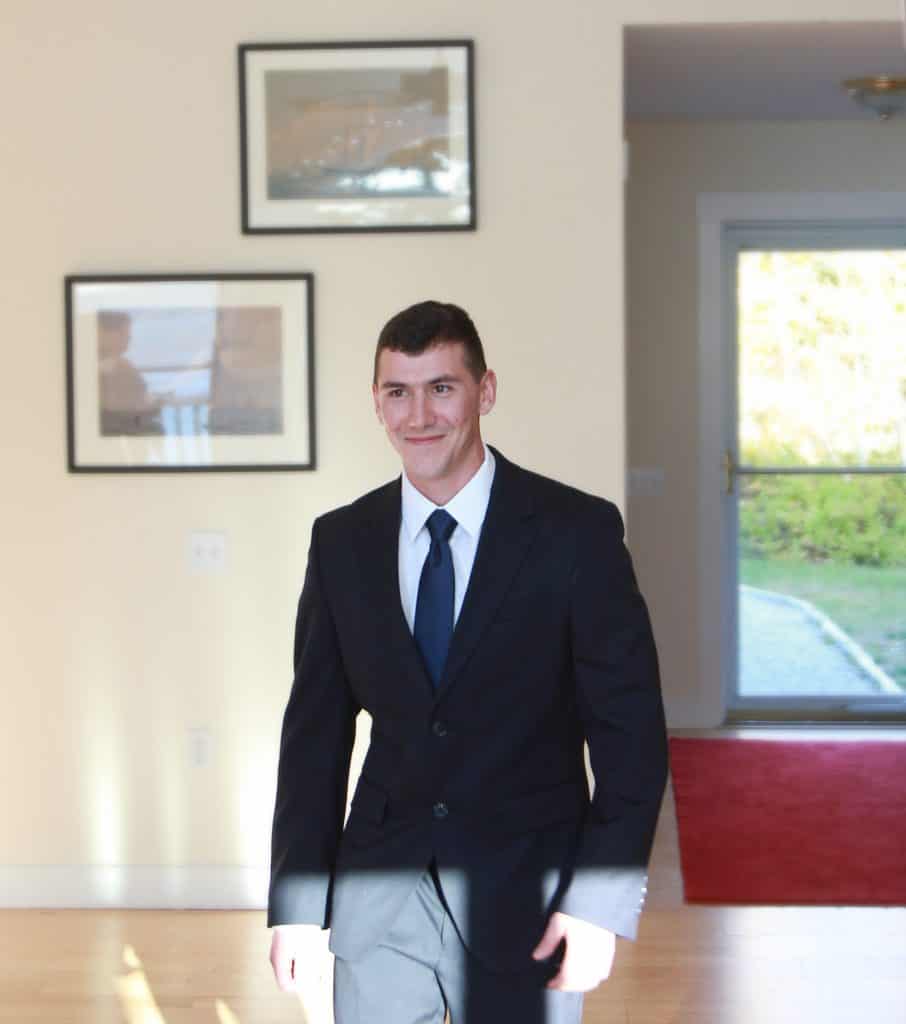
[[377, 404], [487, 392]]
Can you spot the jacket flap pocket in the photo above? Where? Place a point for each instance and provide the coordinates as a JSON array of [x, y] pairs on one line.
[[566, 802], [369, 802]]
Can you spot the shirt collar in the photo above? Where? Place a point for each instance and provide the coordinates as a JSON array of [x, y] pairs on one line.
[[468, 506]]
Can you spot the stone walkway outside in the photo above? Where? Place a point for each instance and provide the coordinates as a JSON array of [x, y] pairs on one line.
[[789, 648]]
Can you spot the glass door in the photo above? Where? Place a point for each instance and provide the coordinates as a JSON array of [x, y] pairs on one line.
[[818, 470]]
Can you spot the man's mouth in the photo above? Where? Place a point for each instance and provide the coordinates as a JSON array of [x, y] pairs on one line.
[[424, 440]]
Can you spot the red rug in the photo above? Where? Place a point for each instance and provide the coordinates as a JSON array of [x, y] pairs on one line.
[[778, 821]]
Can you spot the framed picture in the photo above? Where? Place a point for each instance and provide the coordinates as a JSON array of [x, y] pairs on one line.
[[190, 372], [357, 136]]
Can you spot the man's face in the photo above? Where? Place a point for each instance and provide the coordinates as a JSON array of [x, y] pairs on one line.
[[430, 406]]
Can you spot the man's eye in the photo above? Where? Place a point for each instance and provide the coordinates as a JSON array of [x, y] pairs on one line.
[[442, 389], [395, 392]]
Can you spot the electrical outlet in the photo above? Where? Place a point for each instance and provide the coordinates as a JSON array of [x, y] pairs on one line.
[[201, 742], [646, 481], [207, 551]]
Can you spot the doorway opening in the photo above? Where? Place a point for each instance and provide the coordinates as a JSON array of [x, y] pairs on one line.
[[742, 146]]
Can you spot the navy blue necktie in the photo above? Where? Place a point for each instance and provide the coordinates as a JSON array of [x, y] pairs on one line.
[[434, 605]]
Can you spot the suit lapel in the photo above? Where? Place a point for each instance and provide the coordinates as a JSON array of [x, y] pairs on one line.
[[378, 556], [506, 536], [507, 533]]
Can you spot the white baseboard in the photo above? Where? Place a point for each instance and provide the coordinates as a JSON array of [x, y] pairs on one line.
[[176, 887], [690, 714]]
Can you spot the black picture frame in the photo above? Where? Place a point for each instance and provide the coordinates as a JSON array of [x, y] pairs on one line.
[[169, 373], [357, 136]]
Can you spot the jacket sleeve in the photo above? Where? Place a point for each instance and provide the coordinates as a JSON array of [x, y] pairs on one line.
[[313, 773], [618, 692]]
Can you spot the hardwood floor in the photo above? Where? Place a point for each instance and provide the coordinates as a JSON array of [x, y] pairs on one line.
[[701, 965]]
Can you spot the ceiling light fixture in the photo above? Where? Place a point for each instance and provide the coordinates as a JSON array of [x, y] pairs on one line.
[[885, 95]]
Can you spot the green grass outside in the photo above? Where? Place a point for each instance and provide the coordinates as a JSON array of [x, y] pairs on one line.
[[867, 603]]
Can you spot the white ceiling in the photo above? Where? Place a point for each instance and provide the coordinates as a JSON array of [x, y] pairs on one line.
[[755, 72]]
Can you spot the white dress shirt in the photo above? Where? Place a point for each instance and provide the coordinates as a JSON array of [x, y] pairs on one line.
[[468, 507]]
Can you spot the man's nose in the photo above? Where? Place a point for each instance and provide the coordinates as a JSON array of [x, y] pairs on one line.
[[421, 413]]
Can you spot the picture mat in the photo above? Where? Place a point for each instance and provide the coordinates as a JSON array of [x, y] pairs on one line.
[[293, 446], [362, 211]]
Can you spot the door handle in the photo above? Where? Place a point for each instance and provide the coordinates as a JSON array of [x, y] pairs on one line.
[[729, 471]]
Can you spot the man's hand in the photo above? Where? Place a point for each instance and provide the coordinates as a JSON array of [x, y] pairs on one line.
[[296, 955], [588, 957]]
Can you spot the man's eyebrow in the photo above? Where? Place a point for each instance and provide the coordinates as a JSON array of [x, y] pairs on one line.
[[448, 378]]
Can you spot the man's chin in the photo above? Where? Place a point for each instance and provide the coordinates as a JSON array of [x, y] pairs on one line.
[[425, 469]]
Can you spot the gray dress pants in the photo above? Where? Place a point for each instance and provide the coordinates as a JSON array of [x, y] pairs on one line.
[[421, 969]]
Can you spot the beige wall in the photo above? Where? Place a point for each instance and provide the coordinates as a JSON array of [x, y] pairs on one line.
[[671, 165], [119, 154]]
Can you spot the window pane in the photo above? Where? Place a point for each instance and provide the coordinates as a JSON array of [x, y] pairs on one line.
[[822, 358], [822, 600]]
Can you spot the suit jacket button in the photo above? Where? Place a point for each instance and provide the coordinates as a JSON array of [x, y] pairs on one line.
[[439, 729], [441, 810]]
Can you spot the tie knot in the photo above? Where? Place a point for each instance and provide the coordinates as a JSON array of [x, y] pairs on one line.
[[441, 526]]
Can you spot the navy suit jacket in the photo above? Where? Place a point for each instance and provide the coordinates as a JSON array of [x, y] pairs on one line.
[[486, 774]]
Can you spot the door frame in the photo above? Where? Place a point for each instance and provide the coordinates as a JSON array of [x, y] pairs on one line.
[[725, 222]]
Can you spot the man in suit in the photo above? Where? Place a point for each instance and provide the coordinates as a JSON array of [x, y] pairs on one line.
[[489, 621]]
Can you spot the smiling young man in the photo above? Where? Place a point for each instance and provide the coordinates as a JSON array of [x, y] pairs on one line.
[[489, 621]]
